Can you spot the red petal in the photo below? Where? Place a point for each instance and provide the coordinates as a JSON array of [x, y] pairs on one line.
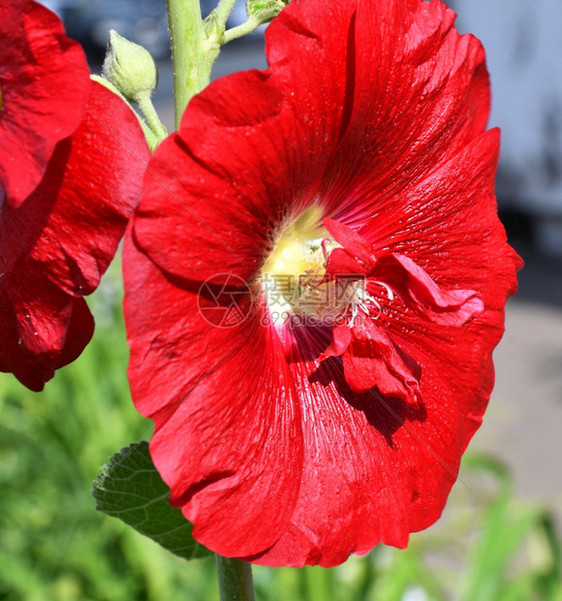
[[204, 179], [355, 245], [459, 241], [58, 242], [44, 84], [95, 185], [227, 436], [228, 405], [418, 290], [432, 97], [342, 263], [341, 339], [41, 327], [372, 359], [374, 468], [186, 189]]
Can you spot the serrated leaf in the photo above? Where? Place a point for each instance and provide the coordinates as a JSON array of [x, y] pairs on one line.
[[128, 487]]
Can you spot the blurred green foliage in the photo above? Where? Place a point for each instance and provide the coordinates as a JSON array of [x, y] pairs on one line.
[[54, 546]]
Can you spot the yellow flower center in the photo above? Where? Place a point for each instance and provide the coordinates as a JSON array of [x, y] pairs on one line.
[[299, 247], [293, 275]]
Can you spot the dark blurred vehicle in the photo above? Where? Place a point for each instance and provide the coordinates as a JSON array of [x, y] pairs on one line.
[[142, 21]]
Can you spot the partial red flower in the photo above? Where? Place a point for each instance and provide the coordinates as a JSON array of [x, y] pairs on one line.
[[44, 85], [339, 208], [57, 239]]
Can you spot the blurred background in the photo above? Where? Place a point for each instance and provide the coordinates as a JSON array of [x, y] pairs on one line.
[[499, 538]]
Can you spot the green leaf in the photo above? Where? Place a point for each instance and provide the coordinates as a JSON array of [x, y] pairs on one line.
[[128, 487], [503, 536]]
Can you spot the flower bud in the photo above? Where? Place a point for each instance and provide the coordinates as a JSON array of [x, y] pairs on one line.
[[129, 67], [265, 10]]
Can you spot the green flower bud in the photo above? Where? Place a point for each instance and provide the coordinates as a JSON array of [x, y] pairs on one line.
[[129, 67], [265, 10]]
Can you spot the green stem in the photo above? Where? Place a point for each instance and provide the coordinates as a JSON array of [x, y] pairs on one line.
[[235, 580], [151, 116], [193, 53], [223, 10], [237, 32], [315, 583], [151, 139]]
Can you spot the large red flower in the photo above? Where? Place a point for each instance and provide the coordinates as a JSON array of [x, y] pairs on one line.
[[58, 238], [315, 281]]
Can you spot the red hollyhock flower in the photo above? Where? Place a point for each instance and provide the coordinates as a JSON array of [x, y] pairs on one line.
[[339, 210], [56, 243]]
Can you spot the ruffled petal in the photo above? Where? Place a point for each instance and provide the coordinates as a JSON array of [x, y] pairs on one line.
[[227, 436], [41, 327], [44, 85], [205, 178], [359, 250], [461, 245], [421, 92], [418, 290], [399, 275], [372, 360], [374, 468]]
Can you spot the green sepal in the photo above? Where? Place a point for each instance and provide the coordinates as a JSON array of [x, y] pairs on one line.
[[265, 10]]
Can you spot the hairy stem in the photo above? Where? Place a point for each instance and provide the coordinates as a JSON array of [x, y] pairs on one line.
[[237, 32], [223, 10], [193, 52]]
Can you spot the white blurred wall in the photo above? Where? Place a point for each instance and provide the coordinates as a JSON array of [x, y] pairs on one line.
[[523, 41]]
